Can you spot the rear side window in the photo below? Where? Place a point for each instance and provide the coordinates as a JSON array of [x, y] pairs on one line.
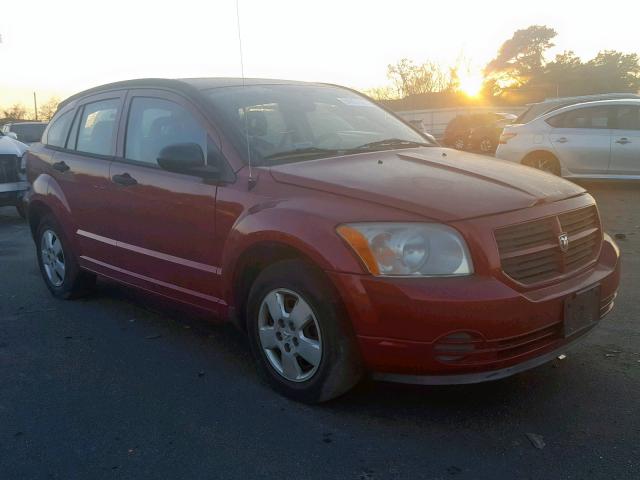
[[57, 133], [627, 118], [155, 123], [592, 117], [97, 127]]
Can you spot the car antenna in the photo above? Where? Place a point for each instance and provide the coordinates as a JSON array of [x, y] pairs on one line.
[[252, 180]]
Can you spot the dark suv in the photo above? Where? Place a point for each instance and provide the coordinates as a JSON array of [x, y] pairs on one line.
[[340, 239]]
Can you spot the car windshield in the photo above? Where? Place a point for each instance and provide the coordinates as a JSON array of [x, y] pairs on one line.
[[28, 132], [290, 123]]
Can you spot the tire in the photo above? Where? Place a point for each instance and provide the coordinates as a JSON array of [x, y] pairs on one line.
[[21, 210], [53, 249], [312, 316], [459, 143], [486, 145], [545, 162]]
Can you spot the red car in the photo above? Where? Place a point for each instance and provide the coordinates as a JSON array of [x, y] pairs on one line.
[[339, 238]]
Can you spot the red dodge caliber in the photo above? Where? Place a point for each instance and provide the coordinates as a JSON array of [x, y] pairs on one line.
[[341, 240]]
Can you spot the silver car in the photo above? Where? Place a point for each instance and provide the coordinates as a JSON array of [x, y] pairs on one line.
[[587, 140]]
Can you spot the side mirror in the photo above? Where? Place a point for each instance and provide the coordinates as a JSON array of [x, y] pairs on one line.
[[182, 158], [12, 135]]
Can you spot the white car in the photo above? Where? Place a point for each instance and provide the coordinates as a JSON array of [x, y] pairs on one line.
[[13, 182], [587, 140]]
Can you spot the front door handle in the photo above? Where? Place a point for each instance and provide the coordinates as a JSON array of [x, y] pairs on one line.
[[61, 167], [623, 141], [562, 140], [124, 179]]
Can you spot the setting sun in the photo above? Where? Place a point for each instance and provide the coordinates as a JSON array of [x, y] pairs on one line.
[[471, 84]]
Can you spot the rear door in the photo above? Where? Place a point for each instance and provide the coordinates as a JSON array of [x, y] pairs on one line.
[[84, 142], [164, 222], [582, 139], [625, 141]]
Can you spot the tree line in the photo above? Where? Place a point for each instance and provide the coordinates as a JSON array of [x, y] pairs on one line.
[[520, 73], [18, 111]]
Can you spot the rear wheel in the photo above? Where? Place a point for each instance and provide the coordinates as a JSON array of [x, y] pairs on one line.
[[299, 334], [545, 162], [58, 264]]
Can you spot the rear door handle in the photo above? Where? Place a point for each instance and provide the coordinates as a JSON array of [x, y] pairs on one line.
[[623, 140], [562, 140], [61, 167], [124, 179]]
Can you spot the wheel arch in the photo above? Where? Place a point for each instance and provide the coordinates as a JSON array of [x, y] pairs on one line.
[[254, 260], [539, 152]]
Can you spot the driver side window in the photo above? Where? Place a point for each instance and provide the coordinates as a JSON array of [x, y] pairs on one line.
[[155, 123]]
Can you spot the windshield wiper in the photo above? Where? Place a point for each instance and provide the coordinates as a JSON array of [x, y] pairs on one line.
[[303, 152], [392, 143]]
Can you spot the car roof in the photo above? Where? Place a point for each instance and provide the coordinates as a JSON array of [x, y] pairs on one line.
[[576, 106], [185, 85], [587, 98]]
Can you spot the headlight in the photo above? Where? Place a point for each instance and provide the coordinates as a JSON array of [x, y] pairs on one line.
[[408, 249]]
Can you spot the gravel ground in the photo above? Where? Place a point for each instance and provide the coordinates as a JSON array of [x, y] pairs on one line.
[[120, 385]]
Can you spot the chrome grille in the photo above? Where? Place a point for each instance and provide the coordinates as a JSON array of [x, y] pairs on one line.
[[9, 167], [531, 253]]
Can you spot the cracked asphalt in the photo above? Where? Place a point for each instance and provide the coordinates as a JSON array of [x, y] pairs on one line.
[[124, 386]]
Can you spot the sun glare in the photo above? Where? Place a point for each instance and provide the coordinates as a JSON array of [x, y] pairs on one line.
[[471, 84]]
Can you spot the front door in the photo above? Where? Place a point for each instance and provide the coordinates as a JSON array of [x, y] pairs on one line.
[[165, 221], [625, 141]]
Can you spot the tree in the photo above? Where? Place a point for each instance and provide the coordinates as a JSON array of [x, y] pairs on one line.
[[614, 71], [16, 112], [381, 93], [46, 110], [521, 57], [411, 79]]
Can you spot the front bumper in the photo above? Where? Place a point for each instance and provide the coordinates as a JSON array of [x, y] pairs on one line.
[[14, 187], [402, 324]]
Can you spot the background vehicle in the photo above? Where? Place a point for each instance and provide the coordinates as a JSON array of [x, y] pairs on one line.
[[13, 182], [484, 138], [26, 132], [323, 226], [534, 110], [456, 134], [588, 140]]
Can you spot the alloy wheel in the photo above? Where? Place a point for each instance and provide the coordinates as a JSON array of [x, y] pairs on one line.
[[486, 146], [545, 164], [52, 257], [289, 335]]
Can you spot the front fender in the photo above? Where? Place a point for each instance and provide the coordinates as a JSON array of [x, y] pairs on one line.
[[311, 234]]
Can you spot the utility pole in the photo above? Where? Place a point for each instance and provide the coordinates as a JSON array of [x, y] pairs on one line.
[[35, 105]]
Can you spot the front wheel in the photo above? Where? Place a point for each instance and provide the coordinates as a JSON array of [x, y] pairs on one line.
[[58, 264], [299, 335], [487, 145], [21, 210]]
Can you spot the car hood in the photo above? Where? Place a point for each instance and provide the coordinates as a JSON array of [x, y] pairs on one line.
[[437, 183], [9, 146]]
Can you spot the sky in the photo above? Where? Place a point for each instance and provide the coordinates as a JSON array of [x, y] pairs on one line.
[[59, 47]]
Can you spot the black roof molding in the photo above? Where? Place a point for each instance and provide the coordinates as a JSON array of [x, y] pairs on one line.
[[188, 86]]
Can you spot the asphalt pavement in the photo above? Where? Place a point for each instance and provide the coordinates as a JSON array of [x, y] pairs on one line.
[[121, 385]]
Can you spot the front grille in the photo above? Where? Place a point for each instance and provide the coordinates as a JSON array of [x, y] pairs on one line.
[[531, 252], [9, 167]]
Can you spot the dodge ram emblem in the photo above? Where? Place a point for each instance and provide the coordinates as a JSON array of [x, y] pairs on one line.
[[563, 241]]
